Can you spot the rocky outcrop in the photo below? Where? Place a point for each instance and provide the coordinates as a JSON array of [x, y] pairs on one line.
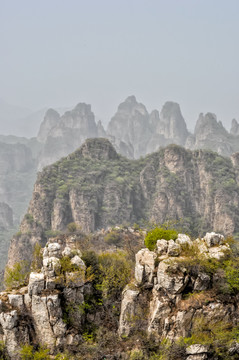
[[210, 134], [37, 311], [17, 177], [146, 132], [51, 120], [95, 188], [172, 124], [67, 133], [169, 313], [234, 128], [174, 295], [6, 217], [130, 124]]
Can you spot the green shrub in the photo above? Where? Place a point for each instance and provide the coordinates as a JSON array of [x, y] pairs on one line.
[[66, 266], [37, 260], [136, 355], [157, 234], [28, 353], [3, 351], [115, 273], [114, 238], [232, 275], [17, 275], [72, 227], [29, 218]]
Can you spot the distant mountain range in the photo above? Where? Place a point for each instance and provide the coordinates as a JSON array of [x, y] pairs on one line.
[[133, 131]]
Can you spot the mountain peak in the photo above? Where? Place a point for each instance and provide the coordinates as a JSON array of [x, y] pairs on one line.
[[98, 148]]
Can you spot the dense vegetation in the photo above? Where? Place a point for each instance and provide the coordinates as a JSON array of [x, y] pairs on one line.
[[157, 234]]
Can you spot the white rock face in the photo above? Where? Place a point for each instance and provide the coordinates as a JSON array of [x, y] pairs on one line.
[[212, 239], [219, 251], [36, 283], [213, 246], [159, 311], [76, 260], [196, 349], [129, 297], [202, 282], [171, 278], [39, 306], [12, 333], [173, 248], [47, 315], [145, 265], [168, 314], [184, 239], [16, 301], [197, 352], [162, 247], [54, 250], [9, 320], [51, 265]]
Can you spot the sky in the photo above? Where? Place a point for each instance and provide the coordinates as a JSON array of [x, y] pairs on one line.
[[57, 53]]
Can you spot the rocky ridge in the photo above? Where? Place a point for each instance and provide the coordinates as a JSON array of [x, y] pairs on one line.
[[95, 187], [133, 131], [166, 299]]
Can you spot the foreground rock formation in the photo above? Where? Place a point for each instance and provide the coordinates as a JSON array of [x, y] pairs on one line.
[[179, 291]]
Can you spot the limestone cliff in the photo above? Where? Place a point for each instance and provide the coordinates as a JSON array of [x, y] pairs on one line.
[[51, 120], [146, 132], [95, 188], [210, 134], [17, 177], [234, 128], [181, 304]]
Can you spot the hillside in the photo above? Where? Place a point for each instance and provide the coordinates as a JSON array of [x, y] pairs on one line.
[[95, 187]]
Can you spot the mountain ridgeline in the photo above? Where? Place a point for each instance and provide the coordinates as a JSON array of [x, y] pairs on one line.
[[133, 132], [95, 187]]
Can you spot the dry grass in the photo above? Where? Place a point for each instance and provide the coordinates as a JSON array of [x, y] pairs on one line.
[[197, 300]]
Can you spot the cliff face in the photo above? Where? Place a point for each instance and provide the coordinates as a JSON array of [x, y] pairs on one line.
[[95, 188], [63, 135], [182, 295], [210, 134], [146, 132], [17, 177]]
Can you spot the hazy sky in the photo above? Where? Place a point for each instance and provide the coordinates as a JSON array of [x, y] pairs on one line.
[[61, 52]]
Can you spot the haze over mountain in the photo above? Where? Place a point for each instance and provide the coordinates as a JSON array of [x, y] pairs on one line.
[[133, 131]]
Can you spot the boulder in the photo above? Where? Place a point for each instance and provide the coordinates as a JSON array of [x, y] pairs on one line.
[[76, 260], [173, 248], [202, 282], [36, 283], [197, 352], [54, 250], [213, 239], [171, 277], [128, 310], [16, 301], [51, 265], [145, 265], [9, 320], [162, 247], [184, 239], [218, 252]]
